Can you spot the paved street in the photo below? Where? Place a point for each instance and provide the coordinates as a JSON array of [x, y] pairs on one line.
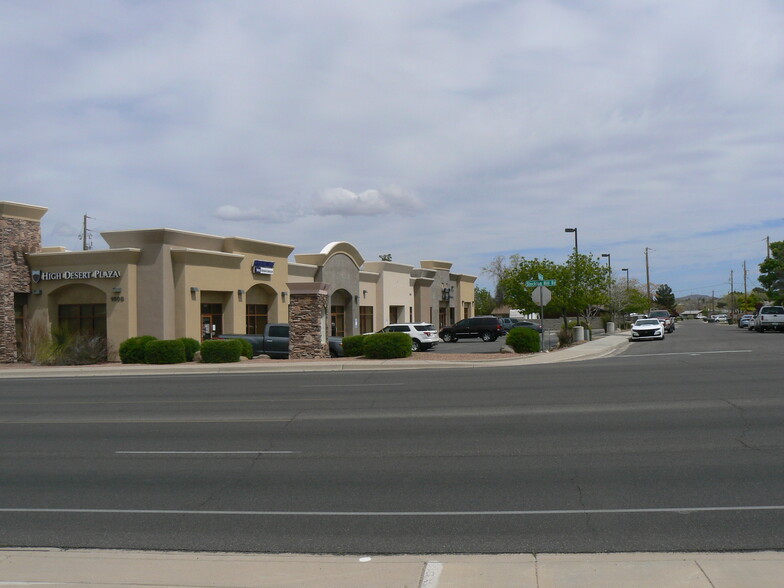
[[673, 445]]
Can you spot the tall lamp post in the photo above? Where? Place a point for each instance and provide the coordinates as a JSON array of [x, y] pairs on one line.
[[573, 230], [609, 284], [576, 251], [626, 269]]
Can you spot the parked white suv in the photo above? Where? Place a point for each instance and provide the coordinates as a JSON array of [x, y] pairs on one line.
[[423, 335]]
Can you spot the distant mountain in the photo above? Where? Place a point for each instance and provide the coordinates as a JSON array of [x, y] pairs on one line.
[[693, 297]]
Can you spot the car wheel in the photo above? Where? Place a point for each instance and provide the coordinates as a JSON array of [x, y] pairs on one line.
[[487, 337], [449, 338], [415, 346]]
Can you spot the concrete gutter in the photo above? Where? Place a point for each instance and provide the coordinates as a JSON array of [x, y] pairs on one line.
[[601, 347]]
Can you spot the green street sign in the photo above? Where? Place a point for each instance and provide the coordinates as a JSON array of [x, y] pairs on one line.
[[548, 282], [535, 283]]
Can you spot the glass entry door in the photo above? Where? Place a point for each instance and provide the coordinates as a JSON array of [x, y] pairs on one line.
[[211, 321]]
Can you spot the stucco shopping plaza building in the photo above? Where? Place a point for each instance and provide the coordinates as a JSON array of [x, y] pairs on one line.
[[170, 283]]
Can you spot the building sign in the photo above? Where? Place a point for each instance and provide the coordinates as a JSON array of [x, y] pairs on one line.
[[263, 267], [40, 276]]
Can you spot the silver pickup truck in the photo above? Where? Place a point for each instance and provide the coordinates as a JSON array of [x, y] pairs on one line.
[[769, 318]]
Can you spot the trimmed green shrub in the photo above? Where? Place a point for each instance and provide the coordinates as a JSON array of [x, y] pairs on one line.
[[247, 348], [191, 347], [523, 340], [386, 346], [221, 351], [132, 350], [164, 351], [354, 345]]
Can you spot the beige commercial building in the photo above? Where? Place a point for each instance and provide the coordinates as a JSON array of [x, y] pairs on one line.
[[170, 283]]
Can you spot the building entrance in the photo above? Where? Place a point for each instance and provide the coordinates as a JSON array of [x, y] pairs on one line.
[[211, 321], [338, 321]]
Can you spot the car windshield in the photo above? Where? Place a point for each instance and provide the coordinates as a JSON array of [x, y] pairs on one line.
[[642, 322]]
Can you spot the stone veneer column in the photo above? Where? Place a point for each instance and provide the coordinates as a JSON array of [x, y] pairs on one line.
[[308, 307], [20, 233]]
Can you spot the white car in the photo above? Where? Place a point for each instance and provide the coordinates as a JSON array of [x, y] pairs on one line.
[[647, 328], [423, 335]]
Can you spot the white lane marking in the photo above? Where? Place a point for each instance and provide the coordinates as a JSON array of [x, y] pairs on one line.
[[686, 353], [459, 513], [431, 574], [138, 421], [351, 385], [200, 452]]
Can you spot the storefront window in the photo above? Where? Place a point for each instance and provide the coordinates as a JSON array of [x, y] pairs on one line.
[[256, 317], [85, 319], [365, 319]]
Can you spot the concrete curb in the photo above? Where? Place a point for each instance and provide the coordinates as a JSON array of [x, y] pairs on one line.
[[598, 348]]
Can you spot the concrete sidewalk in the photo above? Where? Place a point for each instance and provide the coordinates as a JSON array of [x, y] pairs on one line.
[[602, 346], [53, 567]]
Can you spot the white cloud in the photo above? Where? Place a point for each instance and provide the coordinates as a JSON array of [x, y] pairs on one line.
[[343, 202], [504, 121]]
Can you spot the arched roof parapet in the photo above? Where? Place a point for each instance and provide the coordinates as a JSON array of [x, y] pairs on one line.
[[329, 251]]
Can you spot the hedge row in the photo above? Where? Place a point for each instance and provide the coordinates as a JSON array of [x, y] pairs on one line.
[[385, 346], [222, 350], [354, 346], [148, 349]]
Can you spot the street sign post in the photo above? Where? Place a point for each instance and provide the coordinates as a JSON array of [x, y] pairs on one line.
[[541, 295]]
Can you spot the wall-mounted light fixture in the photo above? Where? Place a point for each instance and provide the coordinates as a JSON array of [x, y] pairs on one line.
[[356, 299], [38, 292], [240, 291], [283, 296], [364, 293], [194, 290], [116, 290]]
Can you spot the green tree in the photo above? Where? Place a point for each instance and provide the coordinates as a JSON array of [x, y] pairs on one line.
[[580, 290], [664, 297], [772, 273], [483, 301]]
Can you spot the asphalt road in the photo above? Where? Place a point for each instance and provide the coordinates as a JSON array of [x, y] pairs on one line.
[[672, 445]]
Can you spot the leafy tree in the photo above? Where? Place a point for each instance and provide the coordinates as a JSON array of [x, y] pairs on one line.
[[497, 269], [748, 303], [581, 285], [483, 301], [632, 299], [772, 273], [665, 298]]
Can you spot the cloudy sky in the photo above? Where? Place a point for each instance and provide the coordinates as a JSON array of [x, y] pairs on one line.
[[429, 129]]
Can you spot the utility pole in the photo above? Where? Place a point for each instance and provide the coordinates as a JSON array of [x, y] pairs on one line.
[[85, 234], [713, 300], [767, 247], [732, 294], [745, 292], [648, 277]]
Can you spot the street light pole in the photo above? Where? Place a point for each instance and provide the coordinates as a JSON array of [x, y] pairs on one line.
[[573, 230], [626, 307], [609, 284], [576, 278]]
